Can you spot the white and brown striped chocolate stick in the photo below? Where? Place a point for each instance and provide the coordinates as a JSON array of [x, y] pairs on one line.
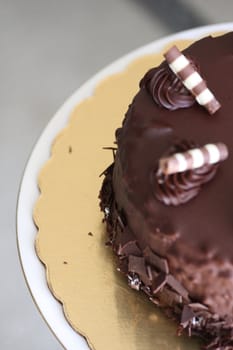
[[191, 79], [194, 158]]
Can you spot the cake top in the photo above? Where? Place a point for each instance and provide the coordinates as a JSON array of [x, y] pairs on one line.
[[165, 118]]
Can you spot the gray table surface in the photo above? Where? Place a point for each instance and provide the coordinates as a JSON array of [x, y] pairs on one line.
[[48, 49]]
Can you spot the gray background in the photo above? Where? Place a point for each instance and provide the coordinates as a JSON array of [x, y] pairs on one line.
[[48, 49]]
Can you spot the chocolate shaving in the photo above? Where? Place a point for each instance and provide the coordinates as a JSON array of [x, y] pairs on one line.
[[123, 266], [126, 243], [176, 285], [158, 283], [186, 316], [169, 298], [198, 306], [129, 248], [138, 265], [151, 273], [153, 259]]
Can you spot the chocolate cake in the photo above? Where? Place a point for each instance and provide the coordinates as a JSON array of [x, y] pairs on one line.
[[173, 230]]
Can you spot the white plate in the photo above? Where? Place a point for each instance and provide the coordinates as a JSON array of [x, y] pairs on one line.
[[33, 270]]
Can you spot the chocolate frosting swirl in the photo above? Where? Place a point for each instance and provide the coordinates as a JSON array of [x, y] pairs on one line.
[[179, 188], [166, 88]]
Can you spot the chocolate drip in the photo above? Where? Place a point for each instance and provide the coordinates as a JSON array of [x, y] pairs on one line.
[[179, 188], [166, 89]]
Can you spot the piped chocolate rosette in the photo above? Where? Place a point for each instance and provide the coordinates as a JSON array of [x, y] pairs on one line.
[[166, 89], [181, 176], [168, 200]]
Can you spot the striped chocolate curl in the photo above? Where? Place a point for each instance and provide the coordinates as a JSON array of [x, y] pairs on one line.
[[193, 159], [191, 79]]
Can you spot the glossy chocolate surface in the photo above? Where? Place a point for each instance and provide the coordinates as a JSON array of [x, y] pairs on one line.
[[149, 131]]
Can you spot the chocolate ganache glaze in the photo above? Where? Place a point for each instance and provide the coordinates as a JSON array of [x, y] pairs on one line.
[[177, 248]]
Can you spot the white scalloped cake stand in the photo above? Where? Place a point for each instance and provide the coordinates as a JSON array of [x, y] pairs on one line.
[[34, 272]]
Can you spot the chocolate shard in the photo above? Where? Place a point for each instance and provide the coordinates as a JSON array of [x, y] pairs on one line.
[[186, 316], [137, 265], [198, 306], [177, 286], [124, 237], [154, 260], [169, 298], [158, 283], [151, 273], [129, 248], [123, 266]]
